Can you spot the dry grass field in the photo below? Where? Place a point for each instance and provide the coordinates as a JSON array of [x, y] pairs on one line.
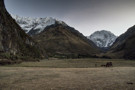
[[74, 74]]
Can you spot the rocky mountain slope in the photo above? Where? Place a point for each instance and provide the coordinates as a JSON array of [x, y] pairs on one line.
[[103, 39], [122, 38], [34, 26], [124, 46], [63, 41], [13, 40]]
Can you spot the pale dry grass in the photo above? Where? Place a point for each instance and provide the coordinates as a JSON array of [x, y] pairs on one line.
[[72, 74], [22, 78]]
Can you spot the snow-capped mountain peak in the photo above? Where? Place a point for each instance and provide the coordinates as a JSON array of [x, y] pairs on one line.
[[103, 38], [35, 25]]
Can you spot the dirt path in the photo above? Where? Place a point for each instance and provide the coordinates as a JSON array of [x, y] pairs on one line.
[[21, 78]]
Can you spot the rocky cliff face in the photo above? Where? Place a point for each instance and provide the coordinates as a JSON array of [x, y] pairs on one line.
[[13, 40]]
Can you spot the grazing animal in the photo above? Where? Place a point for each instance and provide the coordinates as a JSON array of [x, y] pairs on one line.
[[108, 64], [103, 65], [129, 83]]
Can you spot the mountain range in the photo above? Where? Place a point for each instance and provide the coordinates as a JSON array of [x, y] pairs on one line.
[[34, 26], [51, 33], [31, 38], [99, 40]]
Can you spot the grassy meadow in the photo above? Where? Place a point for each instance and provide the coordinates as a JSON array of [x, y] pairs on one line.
[[69, 74]]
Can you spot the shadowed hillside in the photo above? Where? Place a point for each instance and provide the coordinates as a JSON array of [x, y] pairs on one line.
[[65, 42], [124, 47], [14, 43]]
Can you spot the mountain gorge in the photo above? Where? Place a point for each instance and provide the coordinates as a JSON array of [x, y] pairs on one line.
[[13, 40]]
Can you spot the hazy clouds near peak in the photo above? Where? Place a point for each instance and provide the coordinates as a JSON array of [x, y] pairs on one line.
[[86, 16]]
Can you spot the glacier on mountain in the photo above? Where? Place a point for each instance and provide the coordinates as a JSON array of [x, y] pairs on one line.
[[29, 24], [103, 39]]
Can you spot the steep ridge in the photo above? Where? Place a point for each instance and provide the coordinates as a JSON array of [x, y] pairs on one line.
[[129, 49], [63, 41], [124, 46], [122, 38], [13, 40]]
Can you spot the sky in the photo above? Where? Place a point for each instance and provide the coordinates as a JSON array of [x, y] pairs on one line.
[[87, 16]]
